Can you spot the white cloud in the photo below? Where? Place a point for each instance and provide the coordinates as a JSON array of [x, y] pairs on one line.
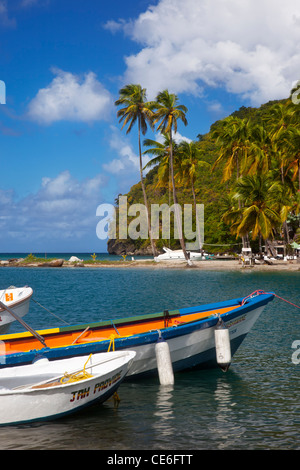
[[115, 26], [127, 161], [249, 47], [177, 137], [71, 98], [66, 197], [62, 210]]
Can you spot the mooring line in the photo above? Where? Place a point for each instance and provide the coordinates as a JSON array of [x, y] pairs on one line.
[[260, 292]]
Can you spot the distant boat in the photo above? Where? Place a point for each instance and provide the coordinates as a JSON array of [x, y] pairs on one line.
[[178, 254], [189, 333], [17, 299], [26, 396]]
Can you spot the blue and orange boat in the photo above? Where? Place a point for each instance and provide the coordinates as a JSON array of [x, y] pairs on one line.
[[190, 333]]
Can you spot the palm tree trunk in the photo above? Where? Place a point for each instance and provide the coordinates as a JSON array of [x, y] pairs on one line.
[[244, 238], [197, 224], [154, 251], [177, 216], [299, 181], [260, 244], [285, 226]]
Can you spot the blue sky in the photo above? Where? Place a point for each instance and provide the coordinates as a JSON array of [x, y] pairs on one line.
[[62, 150]]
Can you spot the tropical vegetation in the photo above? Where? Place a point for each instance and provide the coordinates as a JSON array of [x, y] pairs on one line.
[[245, 170], [137, 109]]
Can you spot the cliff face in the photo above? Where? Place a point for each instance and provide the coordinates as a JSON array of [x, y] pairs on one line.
[[127, 247]]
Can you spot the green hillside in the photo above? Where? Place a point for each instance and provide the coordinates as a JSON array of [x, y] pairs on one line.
[[263, 152]]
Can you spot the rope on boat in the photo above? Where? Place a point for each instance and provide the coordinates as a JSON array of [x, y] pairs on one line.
[[260, 292], [286, 301], [116, 399], [51, 313], [112, 342], [81, 375]]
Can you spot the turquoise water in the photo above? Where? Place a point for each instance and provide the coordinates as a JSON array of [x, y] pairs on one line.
[[255, 405]]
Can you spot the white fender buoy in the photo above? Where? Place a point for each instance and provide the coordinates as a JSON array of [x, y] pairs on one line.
[[223, 348], [40, 359], [164, 363]]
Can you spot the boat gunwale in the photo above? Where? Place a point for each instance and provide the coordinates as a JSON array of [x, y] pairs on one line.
[[31, 388], [148, 317], [139, 319], [148, 337], [16, 303]]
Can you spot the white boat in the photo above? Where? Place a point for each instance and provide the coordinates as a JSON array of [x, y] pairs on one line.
[[189, 332], [177, 254], [17, 299], [45, 391]]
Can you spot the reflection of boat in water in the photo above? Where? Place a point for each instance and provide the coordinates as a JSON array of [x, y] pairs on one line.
[[26, 397], [16, 299], [189, 333], [178, 254]]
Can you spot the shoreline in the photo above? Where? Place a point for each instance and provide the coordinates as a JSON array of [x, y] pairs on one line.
[[204, 265]]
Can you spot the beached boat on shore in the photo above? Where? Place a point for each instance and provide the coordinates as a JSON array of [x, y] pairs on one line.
[[49, 390], [17, 299], [178, 254], [189, 333]]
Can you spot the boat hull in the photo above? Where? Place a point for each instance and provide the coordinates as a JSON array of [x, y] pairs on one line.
[[177, 255], [191, 343], [42, 402], [18, 300], [195, 349]]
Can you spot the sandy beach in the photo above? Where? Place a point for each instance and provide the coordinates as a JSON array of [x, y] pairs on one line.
[[216, 265], [205, 265]]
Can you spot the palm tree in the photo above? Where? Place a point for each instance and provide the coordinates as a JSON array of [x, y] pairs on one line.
[[167, 114], [293, 152], [260, 155], [233, 135], [258, 215], [279, 118], [189, 156], [161, 157], [279, 121], [137, 109]]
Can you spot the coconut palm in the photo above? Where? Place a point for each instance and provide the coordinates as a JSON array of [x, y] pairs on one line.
[[190, 154], [161, 157], [279, 121], [137, 109], [292, 156], [260, 155], [160, 151], [279, 118], [233, 135], [167, 114], [258, 215]]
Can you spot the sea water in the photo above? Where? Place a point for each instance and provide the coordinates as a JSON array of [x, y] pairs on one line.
[[255, 405]]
